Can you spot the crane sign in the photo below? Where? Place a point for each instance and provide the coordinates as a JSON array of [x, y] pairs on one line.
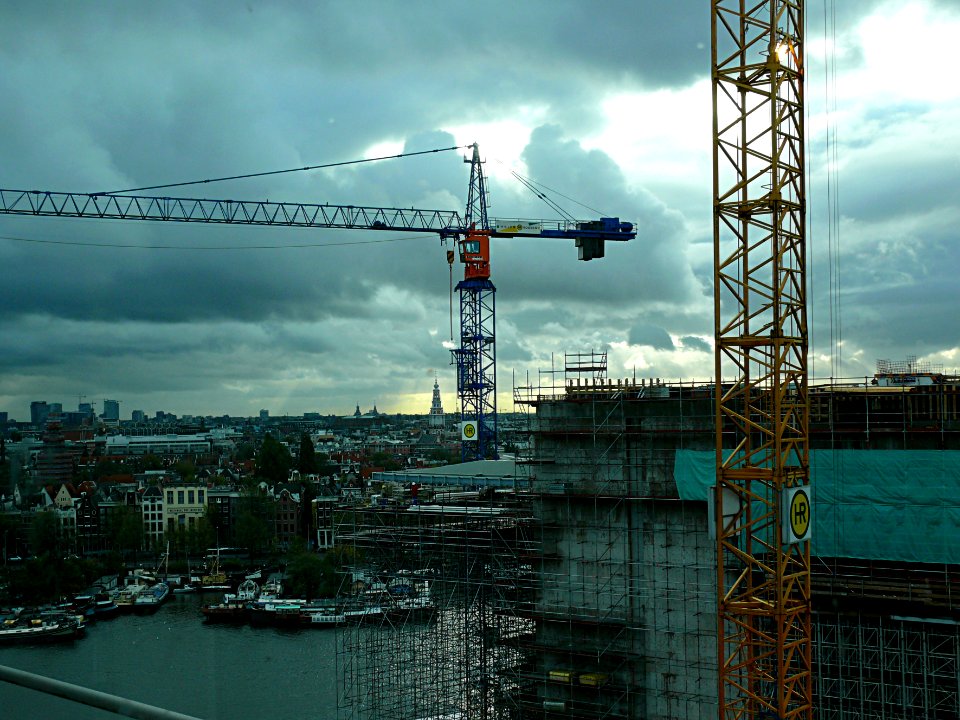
[[476, 356]]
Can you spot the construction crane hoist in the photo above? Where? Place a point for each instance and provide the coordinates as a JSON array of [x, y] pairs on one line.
[[475, 358]]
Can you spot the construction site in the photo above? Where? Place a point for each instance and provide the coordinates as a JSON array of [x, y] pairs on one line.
[[583, 584], [759, 544]]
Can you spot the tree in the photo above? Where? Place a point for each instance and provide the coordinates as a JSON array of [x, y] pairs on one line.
[[253, 532], [126, 530], [384, 460], [44, 531], [325, 467], [186, 469], [246, 451], [150, 462], [312, 576], [273, 461], [104, 468], [307, 461]]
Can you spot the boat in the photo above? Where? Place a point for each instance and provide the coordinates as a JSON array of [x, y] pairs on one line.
[[216, 579], [277, 613], [105, 607], [225, 611], [152, 598], [185, 589], [411, 601], [82, 606], [28, 627], [321, 616], [233, 607], [127, 596], [364, 613]]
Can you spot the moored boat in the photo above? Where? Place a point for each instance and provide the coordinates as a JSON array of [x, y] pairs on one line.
[[25, 627], [322, 613], [226, 611], [105, 607], [152, 598], [128, 595]]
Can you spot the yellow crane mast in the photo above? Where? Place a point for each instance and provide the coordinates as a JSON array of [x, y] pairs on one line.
[[762, 498]]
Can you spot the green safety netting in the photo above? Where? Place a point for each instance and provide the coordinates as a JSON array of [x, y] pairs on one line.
[[872, 504]]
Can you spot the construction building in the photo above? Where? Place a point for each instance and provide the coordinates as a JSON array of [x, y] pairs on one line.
[[588, 588]]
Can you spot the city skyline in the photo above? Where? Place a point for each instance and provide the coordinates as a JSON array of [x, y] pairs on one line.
[[607, 106]]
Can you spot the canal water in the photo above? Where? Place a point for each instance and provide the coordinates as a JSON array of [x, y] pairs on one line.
[[173, 660]]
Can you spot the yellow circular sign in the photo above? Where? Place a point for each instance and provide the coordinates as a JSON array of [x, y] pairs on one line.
[[469, 430], [800, 514]]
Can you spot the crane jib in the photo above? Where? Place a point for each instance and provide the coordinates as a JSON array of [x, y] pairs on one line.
[[446, 223]]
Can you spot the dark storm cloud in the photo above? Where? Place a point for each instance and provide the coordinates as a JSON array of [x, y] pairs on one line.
[[651, 335], [117, 95], [691, 342]]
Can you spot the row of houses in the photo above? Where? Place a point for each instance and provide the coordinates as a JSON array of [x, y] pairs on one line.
[[158, 507]]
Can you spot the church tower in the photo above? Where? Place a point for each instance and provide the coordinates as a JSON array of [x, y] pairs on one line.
[[436, 409]]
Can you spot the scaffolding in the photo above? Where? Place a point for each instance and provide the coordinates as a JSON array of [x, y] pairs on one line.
[[588, 589], [624, 615], [443, 586]]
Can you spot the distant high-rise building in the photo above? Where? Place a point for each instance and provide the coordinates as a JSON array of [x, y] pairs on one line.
[[54, 464], [111, 411], [436, 408], [85, 408], [264, 414], [55, 408], [138, 416], [4, 418], [38, 413]]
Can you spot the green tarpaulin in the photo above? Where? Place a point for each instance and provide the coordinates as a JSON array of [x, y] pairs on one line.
[[872, 504]]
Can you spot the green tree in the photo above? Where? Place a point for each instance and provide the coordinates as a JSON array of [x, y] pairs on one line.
[[310, 575], [186, 469], [307, 518], [273, 461], [246, 451], [384, 460], [307, 460], [253, 529], [201, 536], [151, 462], [104, 468], [126, 530], [44, 534]]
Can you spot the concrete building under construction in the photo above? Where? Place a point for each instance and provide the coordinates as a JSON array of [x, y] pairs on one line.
[[583, 584]]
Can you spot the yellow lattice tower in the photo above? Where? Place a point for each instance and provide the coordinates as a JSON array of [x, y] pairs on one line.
[[763, 510]]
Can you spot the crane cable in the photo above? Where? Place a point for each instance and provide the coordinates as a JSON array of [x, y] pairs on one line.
[[534, 187], [280, 172]]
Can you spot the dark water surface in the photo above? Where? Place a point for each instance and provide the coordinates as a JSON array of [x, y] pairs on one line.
[[173, 660]]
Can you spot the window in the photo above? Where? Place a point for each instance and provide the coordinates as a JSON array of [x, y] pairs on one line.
[[200, 496], [180, 497], [169, 497], [190, 496]]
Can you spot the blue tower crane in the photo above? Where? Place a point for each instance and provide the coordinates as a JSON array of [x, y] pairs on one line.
[[475, 358]]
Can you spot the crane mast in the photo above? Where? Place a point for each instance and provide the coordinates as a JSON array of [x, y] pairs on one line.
[[762, 499], [476, 358]]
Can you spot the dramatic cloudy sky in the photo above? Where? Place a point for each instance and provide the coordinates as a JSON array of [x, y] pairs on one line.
[[607, 103]]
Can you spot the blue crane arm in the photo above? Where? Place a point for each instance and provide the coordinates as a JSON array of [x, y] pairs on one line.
[[446, 223]]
